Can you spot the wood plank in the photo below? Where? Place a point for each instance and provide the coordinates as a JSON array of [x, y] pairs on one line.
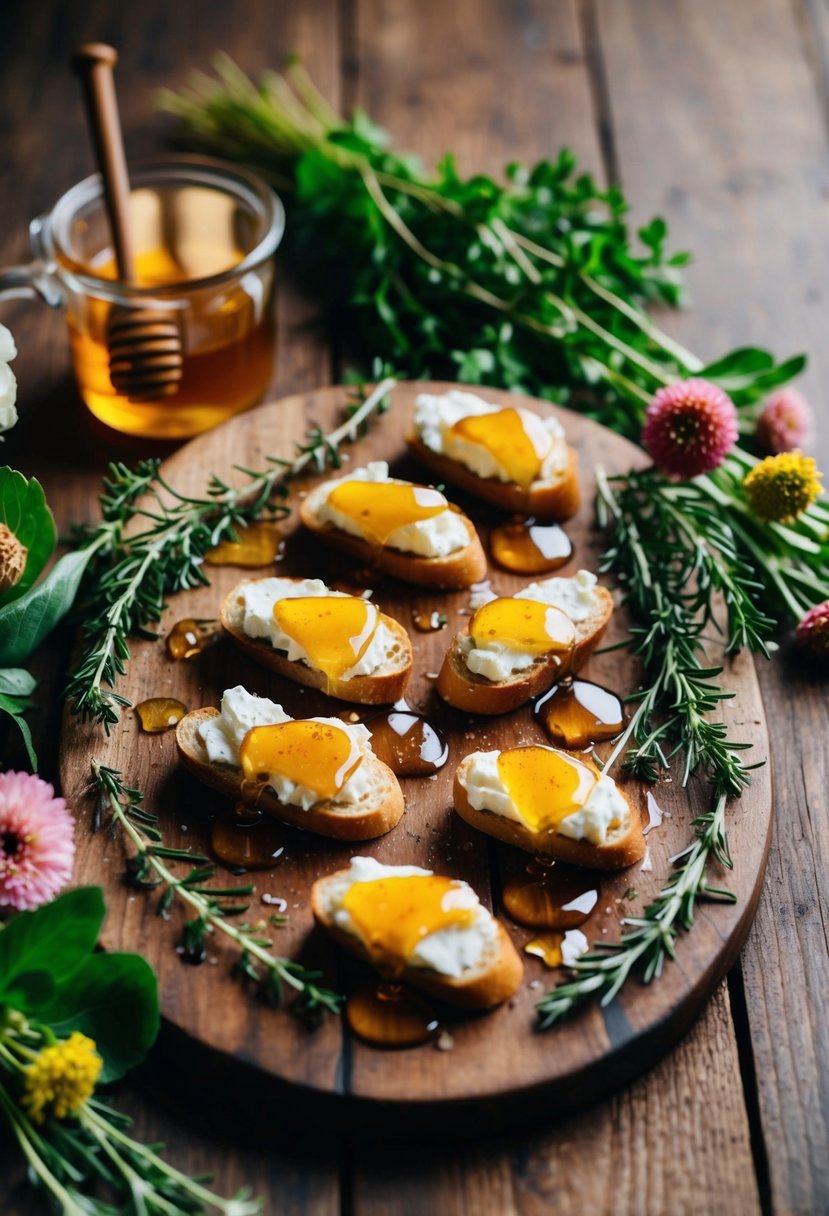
[[46, 149], [597, 1163], [726, 97]]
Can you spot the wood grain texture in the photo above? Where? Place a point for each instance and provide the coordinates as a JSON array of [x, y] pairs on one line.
[[499, 1068], [728, 97]]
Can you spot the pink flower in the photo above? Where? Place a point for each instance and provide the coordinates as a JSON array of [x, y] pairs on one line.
[[37, 845], [690, 427], [813, 631], [785, 423]]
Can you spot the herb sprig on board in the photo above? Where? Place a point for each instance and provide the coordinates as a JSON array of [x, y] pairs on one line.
[[535, 284], [135, 569], [150, 868]]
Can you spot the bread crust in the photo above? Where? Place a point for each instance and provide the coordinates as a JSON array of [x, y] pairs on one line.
[[552, 500], [475, 694], [486, 987], [323, 819], [452, 573], [381, 688], [626, 847]]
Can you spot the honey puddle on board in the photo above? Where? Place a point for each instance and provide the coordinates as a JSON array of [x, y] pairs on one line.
[[190, 637], [407, 742], [525, 547], [550, 895], [246, 840], [259, 544], [390, 1015], [159, 714], [577, 714]]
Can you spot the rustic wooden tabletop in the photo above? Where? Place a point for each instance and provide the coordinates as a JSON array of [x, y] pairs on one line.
[[713, 114]]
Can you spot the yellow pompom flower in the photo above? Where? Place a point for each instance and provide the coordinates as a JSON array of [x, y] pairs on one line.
[[780, 487], [62, 1078]]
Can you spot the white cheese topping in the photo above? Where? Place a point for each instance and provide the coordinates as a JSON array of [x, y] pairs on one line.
[[438, 536], [576, 597], [450, 951], [258, 598], [604, 809], [435, 416], [241, 711]]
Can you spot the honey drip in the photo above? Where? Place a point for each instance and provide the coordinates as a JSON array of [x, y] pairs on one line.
[[525, 625], [526, 547], [259, 544], [408, 743], [380, 508], [549, 895], [190, 637], [552, 948], [516, 438], [429, 622], [545, 785], [390, 1016], [393, 915], [317, 755], [159, 714], [578, 714], [253, 842], [334, 631]]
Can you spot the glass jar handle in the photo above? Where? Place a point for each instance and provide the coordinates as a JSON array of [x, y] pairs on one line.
[[33, 280]]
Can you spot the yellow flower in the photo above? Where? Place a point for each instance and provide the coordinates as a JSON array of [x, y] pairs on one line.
[[780, 487], [62, 1077]]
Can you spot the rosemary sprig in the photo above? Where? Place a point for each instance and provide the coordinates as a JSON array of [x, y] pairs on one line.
[[148, 868], [128, 581]]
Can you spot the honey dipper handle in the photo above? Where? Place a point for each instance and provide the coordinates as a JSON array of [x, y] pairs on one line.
[[93, 63]]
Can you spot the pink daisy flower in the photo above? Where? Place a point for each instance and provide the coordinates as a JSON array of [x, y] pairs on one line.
[[37, 845], [690, 427], [813, 631], [785, 423]]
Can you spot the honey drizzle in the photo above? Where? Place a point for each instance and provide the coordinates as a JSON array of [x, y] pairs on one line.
[[259, 544], [393, 915], [317, 755], [191, 636], [407, 742], [390, 1015], [508, 435], [334, 631], [525, 547], [545, 784], [525, 625], [158, 714], [247, 841], [380, 508], [576, 714]]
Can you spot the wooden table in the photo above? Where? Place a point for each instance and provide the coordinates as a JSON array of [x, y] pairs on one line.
[[713, 114]]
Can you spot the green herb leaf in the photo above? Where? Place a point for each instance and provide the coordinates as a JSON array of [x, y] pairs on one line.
[[15, 707], [112, 998], [40, 950], [26, 621], [17, 682], [24, 510]]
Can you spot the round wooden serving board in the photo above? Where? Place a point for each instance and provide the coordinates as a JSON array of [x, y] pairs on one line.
[[500, 1068]]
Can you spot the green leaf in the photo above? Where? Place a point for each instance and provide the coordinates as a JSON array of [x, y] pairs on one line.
[[745, 361], [40, 950], [24, 510], [17, 682], [26, 621], [112, 998], [15, 707]]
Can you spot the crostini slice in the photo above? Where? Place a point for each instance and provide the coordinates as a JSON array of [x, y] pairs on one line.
[[399, 527], [551, 804], [509, 456], [482, 674], [421, 929], [309, 633], [328, 782]]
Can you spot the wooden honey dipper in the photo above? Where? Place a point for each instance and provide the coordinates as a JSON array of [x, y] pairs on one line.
[[145, 357]]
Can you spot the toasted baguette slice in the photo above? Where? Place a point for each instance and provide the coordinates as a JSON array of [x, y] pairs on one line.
[[381, 688], [460, 569], [374, 815], [624, 846], [494, 980], [557, 499], [476, 694]]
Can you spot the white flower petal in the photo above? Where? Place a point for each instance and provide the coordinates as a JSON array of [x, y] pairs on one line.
[[8, 350], [8, 417]]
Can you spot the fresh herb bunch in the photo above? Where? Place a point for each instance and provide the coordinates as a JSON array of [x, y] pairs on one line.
[[72, 1018], [212, 907], [134, 570], [534, 284]]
